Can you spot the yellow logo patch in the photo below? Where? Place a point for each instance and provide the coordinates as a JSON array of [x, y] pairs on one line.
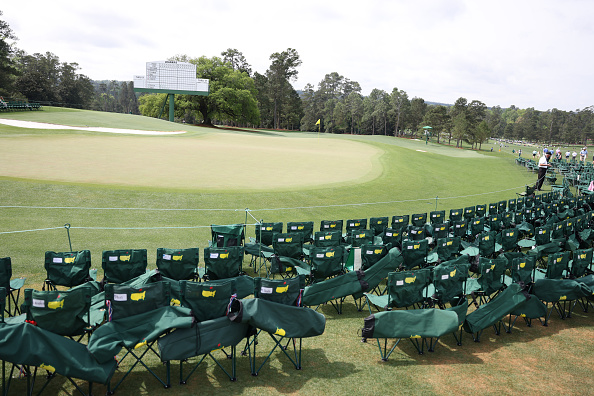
[[47, 367], [55, 304], [453, 273], [138, 296], [224, 255], [125, 258], [282, 289], [206, 293], [178, 258], [280, 332], [69, 260], [410, 279]]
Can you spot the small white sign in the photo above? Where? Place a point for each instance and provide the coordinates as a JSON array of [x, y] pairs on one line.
[[444, 277], [113, 258], [58, 260], [120, 297], [400, 283], [166, 257], [38, 303], [266, 290]]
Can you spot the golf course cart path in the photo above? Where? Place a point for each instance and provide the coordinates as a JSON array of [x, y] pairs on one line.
[[43, 125]]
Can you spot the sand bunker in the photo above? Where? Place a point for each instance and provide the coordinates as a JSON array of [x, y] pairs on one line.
[[43, 125]]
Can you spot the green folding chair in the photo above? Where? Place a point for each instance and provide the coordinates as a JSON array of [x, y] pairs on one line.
[[11, 286], [227, 235], [223, 263], [178, 264], [355, 224], [414, 253], [328, 238], [440, 230], [523, 270], [303, 227], [460, 229], [378, 224], [392, 237], [326, 262], [331, 225], [477, 225], [404, 289], [557, 265], [124, 302], [416, 233], [123, 265], [495, 223], [371, 254], [502, 206], [481, 210], [581, 264], [511, 205], [458, 214], [209, 301], [469, 213], [399, 222], [284, 292], [419, 219], [266, 231], [67, 269], [448, 248], [437, 216], [360, 237], [492, 208], [65, 313], [449, 280], [491, 279], [509, 240]]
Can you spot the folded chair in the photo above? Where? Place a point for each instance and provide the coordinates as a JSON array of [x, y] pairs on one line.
[[67, 269], [209, 301], [122, 265], [286, 292], [222, 263], [227, 235], [11, 286], [65, 313], [378, 224], [136, 320], [178, 264]]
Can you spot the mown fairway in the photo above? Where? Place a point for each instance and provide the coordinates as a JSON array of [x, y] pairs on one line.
[[147, 192]]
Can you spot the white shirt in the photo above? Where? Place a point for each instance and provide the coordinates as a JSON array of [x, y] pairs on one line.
[[542, 163]]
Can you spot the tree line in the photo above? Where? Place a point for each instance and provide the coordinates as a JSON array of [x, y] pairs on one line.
[[242, 97]]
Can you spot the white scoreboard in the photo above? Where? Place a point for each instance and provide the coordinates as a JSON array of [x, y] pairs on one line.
[[171, 76]]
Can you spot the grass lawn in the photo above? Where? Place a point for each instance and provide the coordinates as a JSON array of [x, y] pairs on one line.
[[127, 191]]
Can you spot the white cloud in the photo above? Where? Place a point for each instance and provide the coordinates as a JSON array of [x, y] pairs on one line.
[[530, 53]]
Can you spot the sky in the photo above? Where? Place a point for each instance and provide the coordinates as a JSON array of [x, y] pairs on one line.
[[527, 53]]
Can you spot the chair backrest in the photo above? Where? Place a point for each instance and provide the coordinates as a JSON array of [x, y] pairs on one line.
[[582, 262], [481, 210], [378, 224], [523, 269], [123, 301], [469, 212], [542, 235], [2, 303], [414, 253], [327, 238], [558, 230], [122, 265], [5, 273], [283, 291], [477, 225], [509, 239], [288, 244], [511, 204], [486, 243], [360, 237], [178, 264], [406, 288], [356, 224], [265, 232], [448, 247], [303, 227], [331, 225], [492, 272], [326, 262], [68, 268], [437, 216], [399, 222], [227, 235], [450, 280], [440, 230], [223, 263], [207, 300], [416, 233], [371, 254], [65, 313], [493, 208], [459, 228], [569, 226], [392, 236], [557, 265], [507, 218], [502, 206], [456, 214], [495, 222], [419, 219]]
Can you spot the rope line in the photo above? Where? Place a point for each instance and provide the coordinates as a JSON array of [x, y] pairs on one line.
[[261, 209]]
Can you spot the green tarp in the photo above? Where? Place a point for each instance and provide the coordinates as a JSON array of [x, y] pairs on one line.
[[552, 290]]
